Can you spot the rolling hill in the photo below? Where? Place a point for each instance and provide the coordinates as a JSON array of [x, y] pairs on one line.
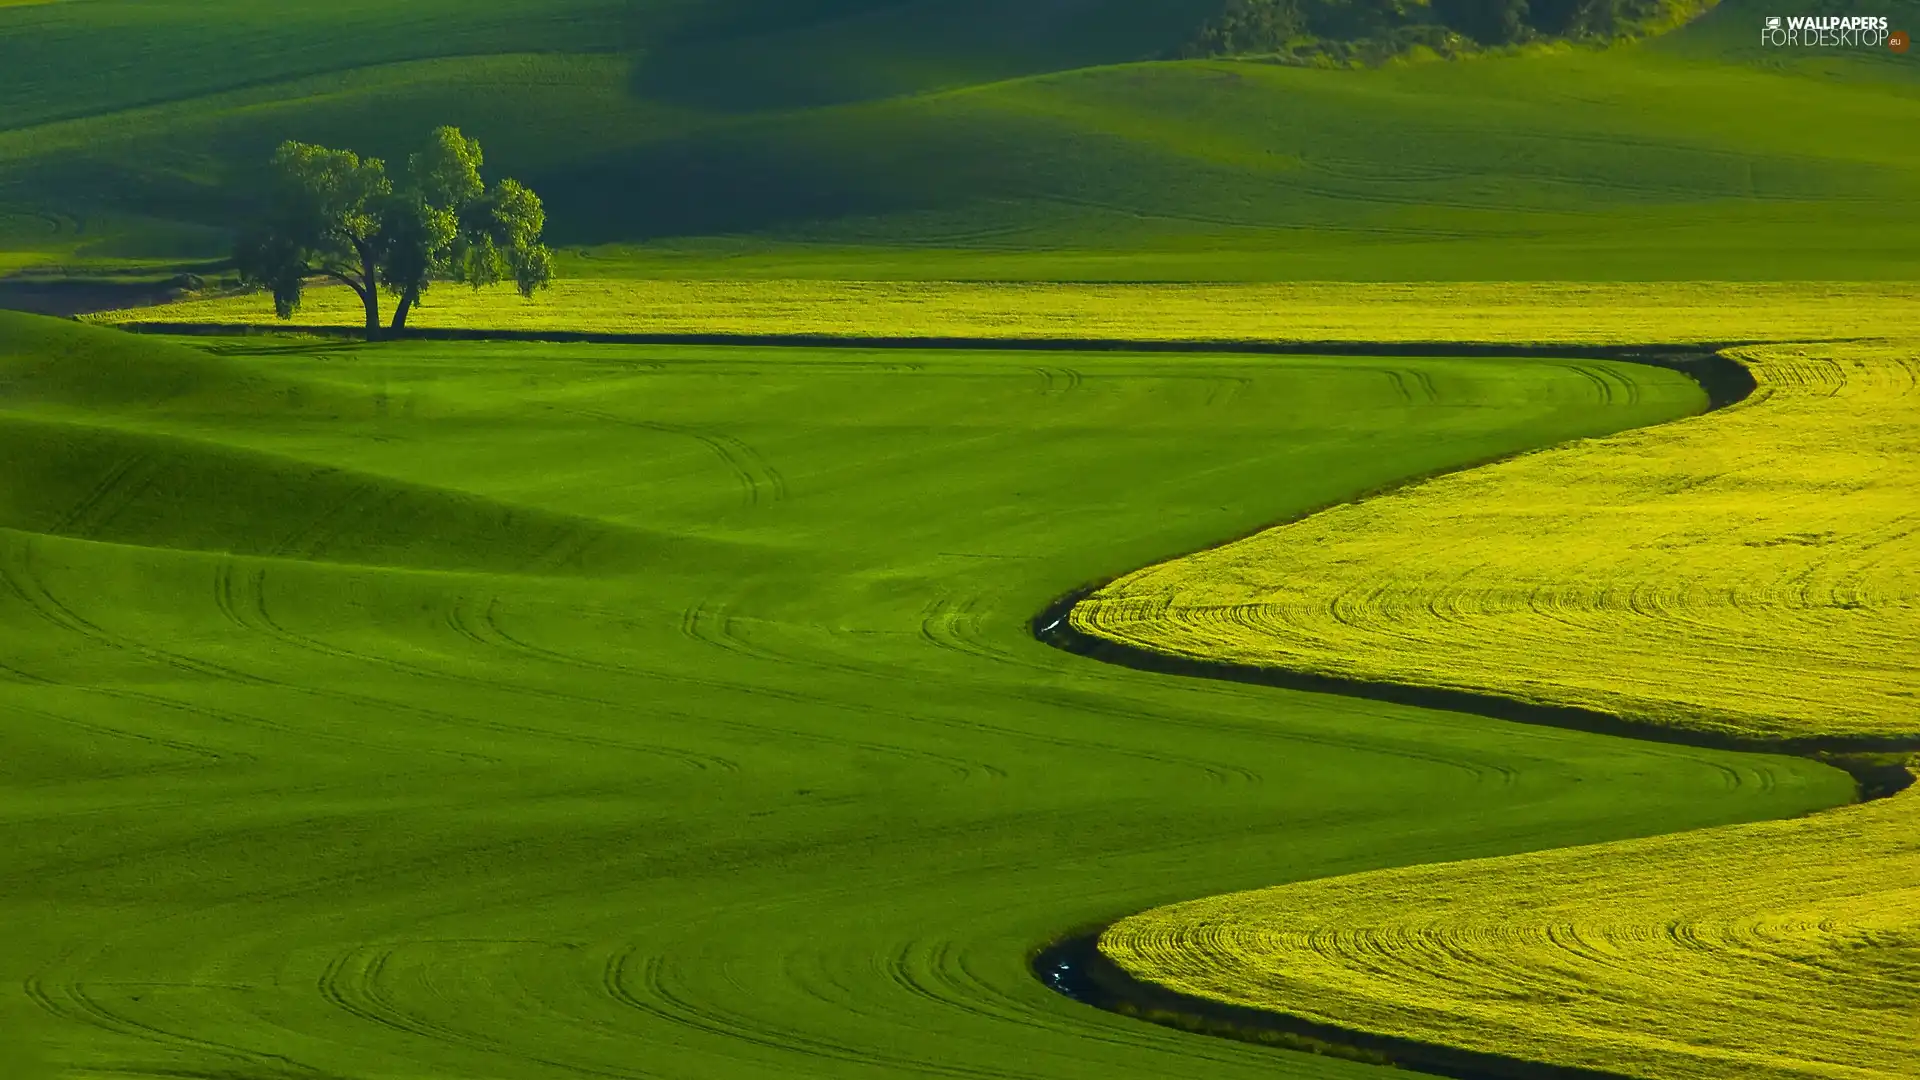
[[434, 709], [940, 139], [791, 795]]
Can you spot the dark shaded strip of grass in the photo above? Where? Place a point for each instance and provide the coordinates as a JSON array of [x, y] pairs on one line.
[[1074, 965], [1725, 381]]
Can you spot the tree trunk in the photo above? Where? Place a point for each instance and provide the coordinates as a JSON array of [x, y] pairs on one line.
[[370, 290], [400, 313], [371, 298]]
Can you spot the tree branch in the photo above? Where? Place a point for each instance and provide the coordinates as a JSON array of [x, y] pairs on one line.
[[340, 276]]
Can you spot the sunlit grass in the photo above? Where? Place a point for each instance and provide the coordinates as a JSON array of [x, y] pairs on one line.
[[1488, 312], [1775, 951]]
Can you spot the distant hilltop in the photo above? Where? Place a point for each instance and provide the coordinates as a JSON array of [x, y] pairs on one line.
[[1364, 31]]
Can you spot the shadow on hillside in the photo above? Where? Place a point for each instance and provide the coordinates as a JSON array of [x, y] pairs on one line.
[[746, 57], [78, 296], [706, 185]]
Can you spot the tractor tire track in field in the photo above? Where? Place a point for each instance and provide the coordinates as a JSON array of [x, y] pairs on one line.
[[71, 1001], [761, 484], [649, 984], [19, 578], [121, 483], [241, 599], [207, 755], [1058, 381], [487, 629], [354, 983], [1078, 968], [954, 626], [361, 983], [1412, 385], [714, 623]]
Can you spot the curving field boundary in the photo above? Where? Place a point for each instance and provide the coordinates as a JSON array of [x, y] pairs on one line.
[[1775, 950], [1724, 381], [1752, 573], [1778, 949]]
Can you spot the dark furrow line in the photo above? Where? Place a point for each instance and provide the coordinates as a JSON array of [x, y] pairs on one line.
[[1680, 355], [1052, 627], [1076, 968]]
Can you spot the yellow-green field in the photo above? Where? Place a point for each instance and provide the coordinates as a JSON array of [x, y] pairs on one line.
[[1530, 312], [1786, 949], [1752, 572]]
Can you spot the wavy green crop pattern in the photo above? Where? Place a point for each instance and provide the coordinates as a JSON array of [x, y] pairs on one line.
[[691, 727]]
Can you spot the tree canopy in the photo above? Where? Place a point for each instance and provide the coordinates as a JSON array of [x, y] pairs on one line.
[[335, 215], [1304, 27]]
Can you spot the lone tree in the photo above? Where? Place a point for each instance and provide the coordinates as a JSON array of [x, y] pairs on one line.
[[335, 215]]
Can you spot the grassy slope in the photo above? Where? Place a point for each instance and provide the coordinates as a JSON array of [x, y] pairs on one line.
[[718, 152], [792, 798], [1749, 572]]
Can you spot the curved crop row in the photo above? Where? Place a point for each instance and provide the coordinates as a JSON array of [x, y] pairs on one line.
[[1753, 573], [1773, 950]]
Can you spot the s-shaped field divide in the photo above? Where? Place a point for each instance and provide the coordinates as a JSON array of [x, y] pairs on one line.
[[1751, 577]]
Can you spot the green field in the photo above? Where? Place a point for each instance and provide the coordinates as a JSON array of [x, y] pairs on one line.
[[1748, 574], [500, 711], [538, 711], [1002, 140]]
